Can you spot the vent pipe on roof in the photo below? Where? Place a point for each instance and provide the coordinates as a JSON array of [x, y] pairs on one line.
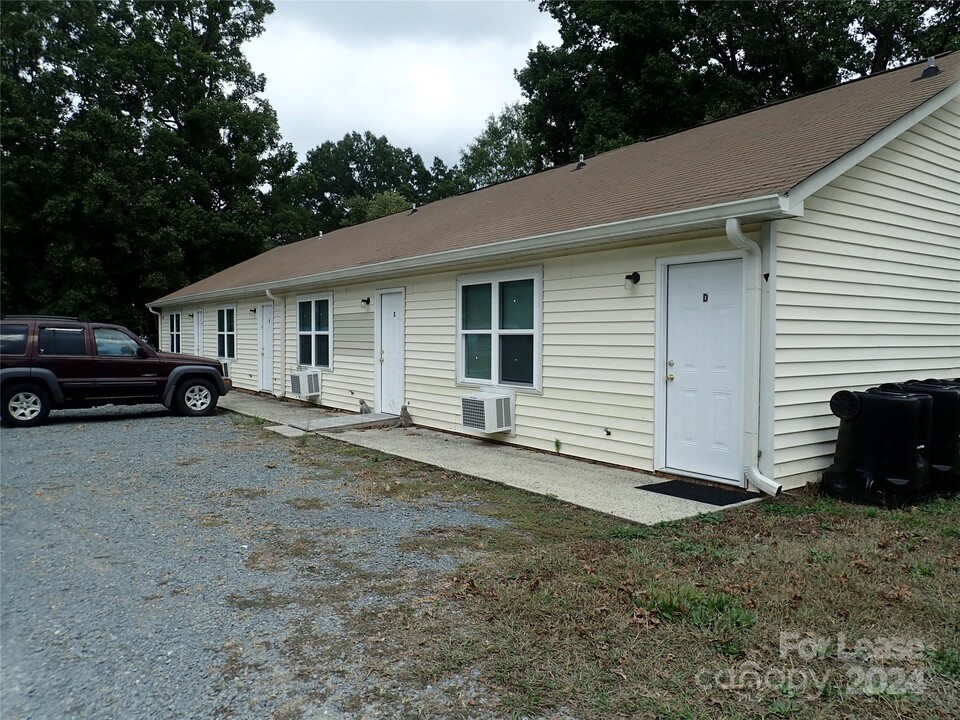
[[580, 163], [931, 68], [752, 275]]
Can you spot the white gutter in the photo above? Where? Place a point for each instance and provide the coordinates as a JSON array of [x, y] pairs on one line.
[[766, 207], [752, 272], [159, 327], [283, 344]]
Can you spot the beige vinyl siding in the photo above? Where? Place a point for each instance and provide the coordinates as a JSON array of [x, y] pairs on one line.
[[186, 331], [430, 338], [597, 355], [350, 378], [245, 369], [868, 287]]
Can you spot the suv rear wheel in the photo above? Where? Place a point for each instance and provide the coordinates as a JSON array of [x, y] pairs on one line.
[[25, 405], [196, 396]]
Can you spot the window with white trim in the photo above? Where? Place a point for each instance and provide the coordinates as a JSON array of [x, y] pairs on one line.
[[498, 328], [174, 326], [314, 331], [227, 333]]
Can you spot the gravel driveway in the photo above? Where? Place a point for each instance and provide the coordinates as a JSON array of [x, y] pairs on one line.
[[163, 567]]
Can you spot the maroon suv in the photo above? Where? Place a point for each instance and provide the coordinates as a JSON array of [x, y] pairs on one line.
[[59, 362]]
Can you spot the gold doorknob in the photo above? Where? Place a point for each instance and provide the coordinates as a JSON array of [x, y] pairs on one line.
[[670, 377]]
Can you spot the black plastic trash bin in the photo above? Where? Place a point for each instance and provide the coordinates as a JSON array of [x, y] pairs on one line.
[[944, 432], [882, 447]]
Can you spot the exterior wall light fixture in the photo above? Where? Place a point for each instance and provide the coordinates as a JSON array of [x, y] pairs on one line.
[[365, 302], [630, 280]]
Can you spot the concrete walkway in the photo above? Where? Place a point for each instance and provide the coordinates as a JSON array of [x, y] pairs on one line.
[[301, 417], [613, 491]]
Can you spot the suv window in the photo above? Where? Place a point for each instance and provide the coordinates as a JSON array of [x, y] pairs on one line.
[[61, 341], [114, 343], [13, 339]]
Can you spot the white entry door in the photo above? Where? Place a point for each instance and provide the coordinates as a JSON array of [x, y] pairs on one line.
[[390, 352], [704, 373], [266, 347], [198, 332]]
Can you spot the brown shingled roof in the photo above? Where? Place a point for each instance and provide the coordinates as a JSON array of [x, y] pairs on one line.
[[760, 153]]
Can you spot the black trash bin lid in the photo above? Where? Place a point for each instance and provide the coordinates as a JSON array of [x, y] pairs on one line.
[[845, 405]]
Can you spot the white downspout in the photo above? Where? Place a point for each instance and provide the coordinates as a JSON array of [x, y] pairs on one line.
[[283, 342], [751, 407], [159, 327]]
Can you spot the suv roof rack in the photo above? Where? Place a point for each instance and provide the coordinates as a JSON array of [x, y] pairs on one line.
[[41, 317]]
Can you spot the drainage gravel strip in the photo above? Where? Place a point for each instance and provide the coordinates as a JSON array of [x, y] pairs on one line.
[[155, 566]]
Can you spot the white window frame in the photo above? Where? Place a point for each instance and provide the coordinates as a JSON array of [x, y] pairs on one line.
[[494, 278], [225, 333], [174, 334], [314, 333]]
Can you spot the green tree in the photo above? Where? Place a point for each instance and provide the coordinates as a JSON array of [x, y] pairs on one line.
[[501, 152], [338, 180], [360, 209], [628, 71], [136, 153], [446, 181]]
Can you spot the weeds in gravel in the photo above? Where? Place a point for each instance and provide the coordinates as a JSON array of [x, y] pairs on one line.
[[250, 493], [212, 520], [307, 503], [273, 555], [260, 599], [247, 421]]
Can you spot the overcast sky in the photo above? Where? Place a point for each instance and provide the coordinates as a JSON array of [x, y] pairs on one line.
[[425, 74]]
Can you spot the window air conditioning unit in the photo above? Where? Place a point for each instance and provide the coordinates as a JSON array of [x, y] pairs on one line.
[[487, 412], [305, 384]]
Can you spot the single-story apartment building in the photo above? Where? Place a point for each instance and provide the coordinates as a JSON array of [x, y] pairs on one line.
[[686, 305]]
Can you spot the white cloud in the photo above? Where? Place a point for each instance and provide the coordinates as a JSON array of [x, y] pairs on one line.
[[424, 74]]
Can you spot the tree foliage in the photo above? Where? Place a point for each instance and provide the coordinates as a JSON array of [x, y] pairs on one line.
[[136, 152], [626, 71], [501, 151], [364, 176]]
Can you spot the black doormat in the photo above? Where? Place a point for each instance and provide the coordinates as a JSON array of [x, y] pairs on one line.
[[707, 494]]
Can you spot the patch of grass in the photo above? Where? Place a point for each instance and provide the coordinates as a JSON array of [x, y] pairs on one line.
[[308, 503], [248, 421], [922, 569], [806, 503], [626, 532], [697, 550], [274, 554], [819, 557], [212, 520], [702, 608], [946, 661], [250, 493], [782, 708]]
